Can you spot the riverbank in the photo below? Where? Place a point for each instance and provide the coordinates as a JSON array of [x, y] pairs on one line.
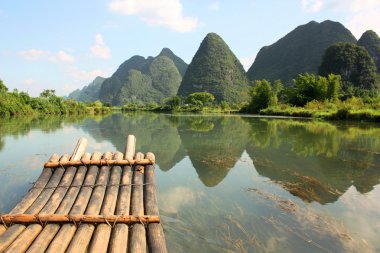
[[13, 104], [352, 109]]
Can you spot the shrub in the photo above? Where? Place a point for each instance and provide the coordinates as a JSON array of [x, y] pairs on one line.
[[262, 96]]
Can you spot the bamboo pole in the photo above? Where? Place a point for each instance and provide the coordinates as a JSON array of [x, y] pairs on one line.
[[43, 198], [79, 218], [130, 148], [50, 230], [103, 231], [62, 239], [27, 202], [31, 196], [43, 240], [10, 235], [2, 229], [100, 162], [83, 236], [65, 234], [137, 241], [59, 193], [40, 243], [67, 179], [119, 237], [79, 150], [155, 233], [22, 243]]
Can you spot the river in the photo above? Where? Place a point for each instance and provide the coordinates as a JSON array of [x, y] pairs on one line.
[[228, 183]]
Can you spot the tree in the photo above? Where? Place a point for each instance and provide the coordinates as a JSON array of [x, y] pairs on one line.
[[3, 88], [352, 63], [173, 101], [278, 87], [47, 93], [200, 99], [262, 96], [333, 87], [309, 87]]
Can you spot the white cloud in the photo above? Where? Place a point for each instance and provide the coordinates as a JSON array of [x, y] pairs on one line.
[[36, 55], [65, 57], [361, 15], [352, 5], [165, 13], [247, 61], [214, 6], [84, 76], [360, 22], [177, 198], [312, 5], [33, 54], [99, 49]]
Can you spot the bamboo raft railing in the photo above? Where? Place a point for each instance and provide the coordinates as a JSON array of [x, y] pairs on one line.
[[88, 203]]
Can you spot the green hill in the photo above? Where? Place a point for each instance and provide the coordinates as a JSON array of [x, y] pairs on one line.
[[179, 63], [299, 51], [137, 80], [371, 41], [216, 69], [88, 93]]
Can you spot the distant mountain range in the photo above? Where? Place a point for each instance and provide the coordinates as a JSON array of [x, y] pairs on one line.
[[90, 92], [139, 80], [215, 69], [300, 51]]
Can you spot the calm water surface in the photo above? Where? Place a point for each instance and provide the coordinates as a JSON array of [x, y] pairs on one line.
[[228, 183]]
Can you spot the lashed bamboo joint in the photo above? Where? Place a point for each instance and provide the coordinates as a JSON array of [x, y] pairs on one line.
[[88, 203], [101, 162], [61, 218]]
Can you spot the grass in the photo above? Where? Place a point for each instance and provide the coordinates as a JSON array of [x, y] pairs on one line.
[[352, 109]]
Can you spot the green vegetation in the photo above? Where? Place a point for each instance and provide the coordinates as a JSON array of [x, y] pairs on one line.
[[353, 63], [140, 80], [307, 88], [179, 63], [300, 51], [262, 96], [215, 69], [371, 42], [312, 96], [195, 102], [90, 92], [200, 99], [20, 103]]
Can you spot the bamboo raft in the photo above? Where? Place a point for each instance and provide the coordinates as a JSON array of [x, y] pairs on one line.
[[88, 203]]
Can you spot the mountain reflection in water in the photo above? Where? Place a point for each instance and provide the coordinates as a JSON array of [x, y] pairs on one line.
[[315, 161]]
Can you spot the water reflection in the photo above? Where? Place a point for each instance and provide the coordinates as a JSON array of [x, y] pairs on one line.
[[215, 146], [228, 183], [21, 126], [315, 161]]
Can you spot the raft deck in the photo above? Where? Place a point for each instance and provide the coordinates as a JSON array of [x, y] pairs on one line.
[[88, 203]]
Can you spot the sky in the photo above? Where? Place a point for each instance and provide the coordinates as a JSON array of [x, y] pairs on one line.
[[64, 45]]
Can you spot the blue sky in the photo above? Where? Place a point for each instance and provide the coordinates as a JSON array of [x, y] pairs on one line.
[[64, 45]]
